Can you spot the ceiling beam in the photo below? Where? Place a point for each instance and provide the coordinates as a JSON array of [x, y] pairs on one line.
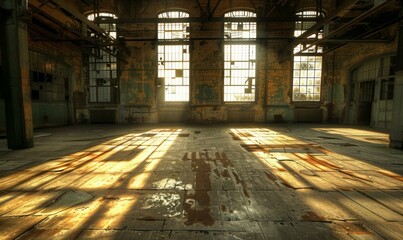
[[361, 37], [340, 11], [202, 11], [280, 3], [218, 39], [78, 37], [77, 15], [346, 26], [198, 19], [215, 8]]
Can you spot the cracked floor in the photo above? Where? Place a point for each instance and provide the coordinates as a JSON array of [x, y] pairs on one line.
[[204, 182]]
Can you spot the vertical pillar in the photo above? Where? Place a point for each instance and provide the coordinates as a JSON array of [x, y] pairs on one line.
[[396, 131], [15, 60]]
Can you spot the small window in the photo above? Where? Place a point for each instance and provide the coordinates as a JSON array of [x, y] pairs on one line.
[[35, 94], [240, 30], [48, 78], [387, 89], [366, 93], [307, 78], [173, 31], [352, 92], [392, 66]]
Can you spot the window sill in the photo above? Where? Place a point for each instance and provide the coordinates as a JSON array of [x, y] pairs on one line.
[[306, 104]]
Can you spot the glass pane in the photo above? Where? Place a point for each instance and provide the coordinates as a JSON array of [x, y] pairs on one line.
[[239, 81], [174, 68]]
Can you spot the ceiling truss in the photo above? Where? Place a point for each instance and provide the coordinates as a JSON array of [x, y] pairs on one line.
[[352, 21]]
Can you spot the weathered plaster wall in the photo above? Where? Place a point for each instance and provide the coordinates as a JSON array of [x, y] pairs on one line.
[[278, 80], [138, 83], [206, 74]]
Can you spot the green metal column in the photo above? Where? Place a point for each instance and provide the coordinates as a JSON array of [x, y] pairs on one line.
[[396, 131], [15, 61]]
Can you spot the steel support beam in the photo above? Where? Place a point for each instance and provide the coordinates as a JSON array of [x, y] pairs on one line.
[[341, 10], [77, 15], [198, 19], [102, 43], [360, 38], [346, 26], [218, 38], [278, 3], [396, 130], [15, 79]]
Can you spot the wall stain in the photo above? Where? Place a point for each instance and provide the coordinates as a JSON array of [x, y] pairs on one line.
[[206, 94]]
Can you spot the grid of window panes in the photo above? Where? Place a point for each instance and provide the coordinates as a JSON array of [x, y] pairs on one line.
[[239, 73], [239, 58], [102, 77], [173, 60], [173, 67], [172, 31], [307, 70], [387, 71], [240, 30], [103, 67], [48, 78], [110, 28], [307, 78], [307, 20], [373, 70]]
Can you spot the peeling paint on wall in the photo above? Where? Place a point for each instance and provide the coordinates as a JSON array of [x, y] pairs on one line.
[[206, 94]]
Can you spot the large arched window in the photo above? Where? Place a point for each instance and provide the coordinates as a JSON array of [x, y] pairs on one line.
[[240, 58], [103, 83], [173, 57], [307, 71]]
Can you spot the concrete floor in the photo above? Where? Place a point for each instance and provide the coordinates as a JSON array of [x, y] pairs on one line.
[[202, 182]]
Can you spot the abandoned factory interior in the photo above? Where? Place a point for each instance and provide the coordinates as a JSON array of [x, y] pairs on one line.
[[210, 119]]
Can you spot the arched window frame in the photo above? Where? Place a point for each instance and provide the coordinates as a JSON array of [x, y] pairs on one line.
[[102, 72], [173, 56], [307, 67], [240, 57]]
